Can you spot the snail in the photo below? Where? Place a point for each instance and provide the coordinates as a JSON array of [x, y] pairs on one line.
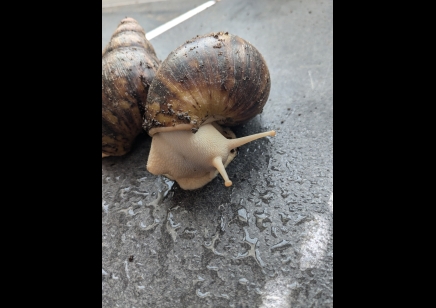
[[129, 64], [206, 85]]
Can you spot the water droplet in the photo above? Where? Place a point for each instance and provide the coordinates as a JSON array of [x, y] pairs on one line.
[[274, 231], [242, 215], [169, 184], [222, 224], [300, 219], [261, 217], [281, 246], [202, 295], [199, 279], [153, 225], [165, 187], [212, 268], [287, 260], [285, 218], [293, 285], [105, 206], [284, 193], [267, 196], [123, 192], [243, 281], [252, 251], [129, 211], [211, 245], [189, 233], [171, 221], [140, 193], [270, 183], [288, 165], [171, 226], [223, 295]]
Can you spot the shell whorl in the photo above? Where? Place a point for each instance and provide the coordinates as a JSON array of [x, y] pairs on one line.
[[214, 77], [129, 64]]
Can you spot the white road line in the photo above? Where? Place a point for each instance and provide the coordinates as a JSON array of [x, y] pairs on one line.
[[161, 29], [124, 3]]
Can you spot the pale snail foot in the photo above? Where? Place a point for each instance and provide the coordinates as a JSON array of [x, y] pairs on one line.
[[193, 160]]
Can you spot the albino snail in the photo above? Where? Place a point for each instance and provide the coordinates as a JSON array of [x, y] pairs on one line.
[[129, 64], [211, 80]]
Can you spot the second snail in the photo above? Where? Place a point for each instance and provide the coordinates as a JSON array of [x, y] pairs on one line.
[[206, 85], [129, 64]]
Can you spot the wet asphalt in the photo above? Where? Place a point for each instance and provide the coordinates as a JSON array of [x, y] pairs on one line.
[[267, 241]]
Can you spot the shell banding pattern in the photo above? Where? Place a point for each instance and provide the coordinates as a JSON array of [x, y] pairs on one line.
[[129, 64], [215, 77]]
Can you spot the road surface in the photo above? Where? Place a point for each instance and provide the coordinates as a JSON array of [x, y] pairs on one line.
[[267, 241]]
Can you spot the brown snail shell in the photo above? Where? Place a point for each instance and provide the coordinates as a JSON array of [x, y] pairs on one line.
[[216, 77], [212, 80], [129, 64]]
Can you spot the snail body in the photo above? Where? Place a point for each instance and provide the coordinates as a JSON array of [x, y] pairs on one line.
[[204, 86], [129, 64]]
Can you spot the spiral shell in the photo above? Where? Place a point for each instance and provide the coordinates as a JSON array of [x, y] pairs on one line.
[[218, 77], [129, 64]]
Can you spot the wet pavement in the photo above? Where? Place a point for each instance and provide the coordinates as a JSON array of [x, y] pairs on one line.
[[266, 241]]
